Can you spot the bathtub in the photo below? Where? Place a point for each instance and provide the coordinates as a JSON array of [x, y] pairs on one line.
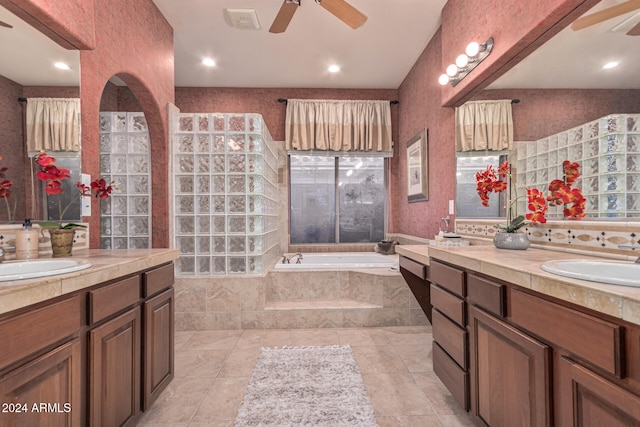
[[340, 261]]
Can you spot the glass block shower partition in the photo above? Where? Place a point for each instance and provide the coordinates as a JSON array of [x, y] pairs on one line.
[[125, 217], [608, 151], [225, 194]]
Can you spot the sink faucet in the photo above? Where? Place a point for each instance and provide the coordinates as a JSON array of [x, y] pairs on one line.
[[633, 248], [287, 260]]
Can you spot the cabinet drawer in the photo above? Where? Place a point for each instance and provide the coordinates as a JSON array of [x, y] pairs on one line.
[[157, 280], [447, 277], [455, 379], [488, 295], [109, 300], [451, 337], [413, 267], [590, 338], [448, 304], [37, 329]]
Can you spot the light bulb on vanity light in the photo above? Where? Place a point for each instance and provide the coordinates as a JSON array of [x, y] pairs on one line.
[[443, 79], [472, 49], [462, 61], [452, 70]]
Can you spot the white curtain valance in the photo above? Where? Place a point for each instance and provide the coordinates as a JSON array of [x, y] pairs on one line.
[[484, 125], [338, 125], [53, 124]]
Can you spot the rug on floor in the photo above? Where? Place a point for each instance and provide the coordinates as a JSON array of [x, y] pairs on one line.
[[306, 386]]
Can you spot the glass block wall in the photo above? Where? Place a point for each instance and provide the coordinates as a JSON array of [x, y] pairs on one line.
[[125, 217], [608, 151], [225, 194]]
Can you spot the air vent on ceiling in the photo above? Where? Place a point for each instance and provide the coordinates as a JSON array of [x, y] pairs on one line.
[[245, 19]]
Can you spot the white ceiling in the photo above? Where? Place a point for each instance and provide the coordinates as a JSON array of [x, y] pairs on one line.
[[377, 55]]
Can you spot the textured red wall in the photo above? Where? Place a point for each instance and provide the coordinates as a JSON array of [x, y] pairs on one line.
[[135, 42], [544, 112], [420, 108], [517, 27], [265, 102]]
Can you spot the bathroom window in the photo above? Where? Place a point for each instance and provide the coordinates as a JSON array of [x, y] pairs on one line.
[[337, 199], [468, 204]]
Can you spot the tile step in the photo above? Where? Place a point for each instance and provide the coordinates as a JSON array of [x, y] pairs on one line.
[[319, 305]]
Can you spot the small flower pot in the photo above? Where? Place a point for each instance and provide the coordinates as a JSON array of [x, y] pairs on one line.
[[518, 241], [61, 241]]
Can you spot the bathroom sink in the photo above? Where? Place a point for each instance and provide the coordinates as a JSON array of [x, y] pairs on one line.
[[610, 272], [31, 269]]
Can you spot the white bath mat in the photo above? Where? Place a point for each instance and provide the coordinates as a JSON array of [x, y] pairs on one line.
[[306, 386]]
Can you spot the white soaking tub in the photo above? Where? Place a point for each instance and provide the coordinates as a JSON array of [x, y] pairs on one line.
[[339, 261]]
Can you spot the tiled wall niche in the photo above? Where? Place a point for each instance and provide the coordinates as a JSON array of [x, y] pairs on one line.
[[608, 151], [225, 194]]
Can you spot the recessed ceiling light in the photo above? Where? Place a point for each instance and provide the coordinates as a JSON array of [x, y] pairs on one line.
[[209, 62], [609, 65], [334, 68], [62, 66]]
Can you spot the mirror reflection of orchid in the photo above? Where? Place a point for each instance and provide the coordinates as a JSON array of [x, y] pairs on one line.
[[54, 175], [5, 192], [560, 193]]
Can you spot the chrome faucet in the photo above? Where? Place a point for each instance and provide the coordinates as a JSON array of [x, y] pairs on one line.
[[633, 248], [287, 260]]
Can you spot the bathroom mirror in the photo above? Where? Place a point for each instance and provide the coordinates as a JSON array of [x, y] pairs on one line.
[[563, 84], [27, 59]]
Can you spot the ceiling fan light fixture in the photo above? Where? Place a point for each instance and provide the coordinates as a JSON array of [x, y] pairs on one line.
[[333, 68], [610, 65], [209, 62], [244, 19]]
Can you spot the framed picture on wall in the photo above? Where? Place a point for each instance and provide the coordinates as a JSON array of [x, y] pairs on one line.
[[418, 167]]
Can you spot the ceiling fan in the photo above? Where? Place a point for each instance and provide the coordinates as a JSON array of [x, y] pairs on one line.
[[339, 8], [610, 13]]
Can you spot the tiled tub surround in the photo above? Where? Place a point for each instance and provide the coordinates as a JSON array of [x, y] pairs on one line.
[[225, 194], [296, 300]]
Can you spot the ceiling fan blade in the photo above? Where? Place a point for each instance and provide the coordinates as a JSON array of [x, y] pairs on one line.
[[603, 15], [635, 31], [284, 16], [345, 12]]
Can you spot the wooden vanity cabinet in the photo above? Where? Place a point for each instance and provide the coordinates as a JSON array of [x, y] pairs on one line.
[[449, 327], [415, 274], [97, 357]]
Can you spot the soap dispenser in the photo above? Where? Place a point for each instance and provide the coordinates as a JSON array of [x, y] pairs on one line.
[[27, 241]]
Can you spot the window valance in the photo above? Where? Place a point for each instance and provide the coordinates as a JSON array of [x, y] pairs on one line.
[[53, 124], [338, 125], [484, 125]]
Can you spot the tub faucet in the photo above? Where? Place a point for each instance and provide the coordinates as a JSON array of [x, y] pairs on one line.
[[633, 248], [287, 260]]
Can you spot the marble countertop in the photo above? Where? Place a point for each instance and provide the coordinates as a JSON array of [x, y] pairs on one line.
[[523, 268], [106, 265]]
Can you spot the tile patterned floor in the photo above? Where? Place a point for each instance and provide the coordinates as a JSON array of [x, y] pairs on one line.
[[213, 369]]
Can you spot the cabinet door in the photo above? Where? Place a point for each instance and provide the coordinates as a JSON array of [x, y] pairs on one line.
[[158, 345], [595, 401], [114, 371], [510, 375], [52, 383]]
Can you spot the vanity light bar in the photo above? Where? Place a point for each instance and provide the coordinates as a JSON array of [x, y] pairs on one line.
[[474, 54]]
